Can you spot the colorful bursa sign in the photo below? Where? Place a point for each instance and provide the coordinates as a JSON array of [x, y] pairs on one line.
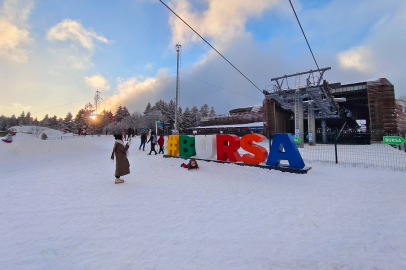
[[225, 148]]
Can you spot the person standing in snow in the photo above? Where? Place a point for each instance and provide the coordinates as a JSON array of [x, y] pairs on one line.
[[125, 134], [121, 151], [161, 142], [153, 141], [143, 140]]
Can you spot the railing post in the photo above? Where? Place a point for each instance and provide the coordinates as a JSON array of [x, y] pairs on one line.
[[335, 144]]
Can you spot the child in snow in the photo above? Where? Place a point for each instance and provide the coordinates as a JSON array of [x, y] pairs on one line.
[[192, 165], [161, 142], [8, 139], [121, 151]]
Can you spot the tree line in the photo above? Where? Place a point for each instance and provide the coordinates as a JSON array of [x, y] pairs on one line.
[[108, 122]]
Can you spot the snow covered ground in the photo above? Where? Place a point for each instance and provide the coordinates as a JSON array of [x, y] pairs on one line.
[[32, 129], [60, 209]]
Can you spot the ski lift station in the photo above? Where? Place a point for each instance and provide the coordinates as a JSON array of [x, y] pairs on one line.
[[313, 107]]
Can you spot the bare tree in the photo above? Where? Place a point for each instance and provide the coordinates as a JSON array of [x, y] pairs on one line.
[[37, 130]]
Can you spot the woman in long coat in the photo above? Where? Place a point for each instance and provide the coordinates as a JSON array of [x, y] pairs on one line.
[[120, 151]]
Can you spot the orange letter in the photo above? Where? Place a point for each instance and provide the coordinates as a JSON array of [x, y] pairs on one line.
[[260, 153]]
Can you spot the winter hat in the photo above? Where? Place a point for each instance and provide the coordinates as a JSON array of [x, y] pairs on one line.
[[192, 159], [118, 136]]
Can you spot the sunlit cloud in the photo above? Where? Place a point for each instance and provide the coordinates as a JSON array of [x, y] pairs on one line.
[[74, 31], [135, 93], [358, 58], [222, 21], [14, 40], [97, 82]]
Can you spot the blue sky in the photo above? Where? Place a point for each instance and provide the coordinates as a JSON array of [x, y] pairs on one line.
[[58, 52]]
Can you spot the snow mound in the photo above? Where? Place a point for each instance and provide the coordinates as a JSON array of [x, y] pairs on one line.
[[32, 129], [26, 147]]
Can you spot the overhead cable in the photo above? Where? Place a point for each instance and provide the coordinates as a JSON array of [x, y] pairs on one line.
[[304, 34], [211, 46], [220, 87]]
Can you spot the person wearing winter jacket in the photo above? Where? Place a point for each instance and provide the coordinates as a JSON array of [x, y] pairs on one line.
[[143, 140], [153, 141], [192, 165], [8, 139], [121, 151], [161, 142]]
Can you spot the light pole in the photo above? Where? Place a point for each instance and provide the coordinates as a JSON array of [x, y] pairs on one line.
[[176, 128]]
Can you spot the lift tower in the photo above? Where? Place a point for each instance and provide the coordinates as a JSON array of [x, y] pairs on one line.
[[97, 101]]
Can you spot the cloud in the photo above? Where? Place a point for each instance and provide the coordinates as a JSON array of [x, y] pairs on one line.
[[97, 82], [135, 93], [74, 31], [17, 11], [14, 41], [222, 21], [358, 58], [16, 109]]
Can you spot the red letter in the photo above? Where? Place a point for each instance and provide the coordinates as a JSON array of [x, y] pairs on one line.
[[227, 146], [260, 153]]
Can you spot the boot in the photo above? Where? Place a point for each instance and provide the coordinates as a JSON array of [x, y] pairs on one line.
[[119, 181]]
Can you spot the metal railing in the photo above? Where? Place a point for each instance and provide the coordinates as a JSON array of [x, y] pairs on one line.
[[356, 149]]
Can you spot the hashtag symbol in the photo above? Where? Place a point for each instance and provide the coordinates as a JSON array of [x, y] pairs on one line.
[[173, 145]]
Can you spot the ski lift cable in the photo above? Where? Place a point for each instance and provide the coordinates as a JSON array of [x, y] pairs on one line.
[[220, 87], [211, 46], [297, 18]]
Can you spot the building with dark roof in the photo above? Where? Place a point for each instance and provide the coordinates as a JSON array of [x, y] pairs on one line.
[[367, 105]]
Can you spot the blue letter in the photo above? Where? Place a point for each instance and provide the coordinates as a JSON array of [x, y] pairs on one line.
[[292, 154]]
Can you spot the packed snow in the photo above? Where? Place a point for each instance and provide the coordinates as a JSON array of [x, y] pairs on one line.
[[60, 209]]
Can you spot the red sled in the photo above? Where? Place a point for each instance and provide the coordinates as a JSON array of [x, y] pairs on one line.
[[7, 141]]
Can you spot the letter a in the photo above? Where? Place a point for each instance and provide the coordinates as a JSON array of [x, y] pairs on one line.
[[292, 154]]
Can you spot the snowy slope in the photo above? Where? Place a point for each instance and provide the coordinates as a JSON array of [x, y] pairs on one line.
[[30, 130], [60, 209]]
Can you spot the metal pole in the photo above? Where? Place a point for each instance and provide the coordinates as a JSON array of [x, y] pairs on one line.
[[299, 131], [335, 144], [324, 131], [311, 122], [178, 48]]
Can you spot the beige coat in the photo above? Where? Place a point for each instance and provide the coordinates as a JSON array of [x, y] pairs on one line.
[[122, 164]]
